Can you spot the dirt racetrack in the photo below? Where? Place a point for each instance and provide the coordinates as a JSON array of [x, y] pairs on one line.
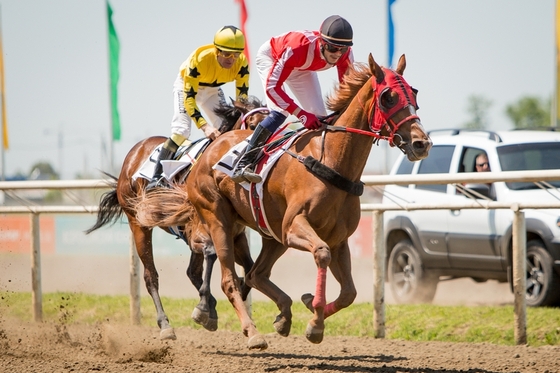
[[45, 347], [120, 348]]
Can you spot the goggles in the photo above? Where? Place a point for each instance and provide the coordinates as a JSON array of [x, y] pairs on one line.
[[225, 54], [331, 48]]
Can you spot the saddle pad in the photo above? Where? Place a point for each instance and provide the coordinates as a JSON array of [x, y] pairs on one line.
[[170, 167]]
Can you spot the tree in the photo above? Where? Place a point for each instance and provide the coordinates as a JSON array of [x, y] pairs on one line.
[[529, 112], [43, 171], [478, 109]]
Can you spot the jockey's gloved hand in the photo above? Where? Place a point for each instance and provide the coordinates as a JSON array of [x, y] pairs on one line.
[[309, 120]]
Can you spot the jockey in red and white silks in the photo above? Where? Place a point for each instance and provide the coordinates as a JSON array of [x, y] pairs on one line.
[[293, 58]]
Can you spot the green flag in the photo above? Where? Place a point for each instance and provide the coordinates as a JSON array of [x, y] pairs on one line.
[[114, 47]]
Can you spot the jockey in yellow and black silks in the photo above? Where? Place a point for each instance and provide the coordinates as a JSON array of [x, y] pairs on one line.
[[197, 90]]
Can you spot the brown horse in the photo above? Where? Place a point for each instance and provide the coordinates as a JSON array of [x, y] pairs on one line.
[[125, 193], [311, 194]]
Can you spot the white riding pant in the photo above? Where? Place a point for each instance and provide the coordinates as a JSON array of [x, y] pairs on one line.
[[207, 98], [303, 84]]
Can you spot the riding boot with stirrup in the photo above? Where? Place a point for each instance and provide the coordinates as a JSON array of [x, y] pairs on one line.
[[244, 171], [166, 152]]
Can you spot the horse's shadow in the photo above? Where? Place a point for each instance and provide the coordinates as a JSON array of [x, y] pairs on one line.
[[356, 363]]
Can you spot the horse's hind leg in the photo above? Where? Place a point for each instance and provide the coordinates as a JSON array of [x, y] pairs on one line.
[[224, 245], [259, 278], [143, 241], [243, 258]]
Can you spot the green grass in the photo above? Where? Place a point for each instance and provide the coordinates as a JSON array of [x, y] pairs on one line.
[[490, 324]]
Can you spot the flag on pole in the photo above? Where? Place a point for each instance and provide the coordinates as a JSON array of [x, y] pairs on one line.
[[5, 142], [114, 48], [390, 33], [244, 17]]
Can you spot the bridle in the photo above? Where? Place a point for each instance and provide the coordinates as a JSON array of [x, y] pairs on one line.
[[263, 110], [383, 118]]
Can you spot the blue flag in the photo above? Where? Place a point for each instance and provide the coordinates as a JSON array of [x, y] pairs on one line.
[[390, 33]]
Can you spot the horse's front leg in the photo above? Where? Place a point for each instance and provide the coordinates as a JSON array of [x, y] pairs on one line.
[[302, 236], [204, 313], [207, 301], [341, 269], [143, 240], [259, 278]]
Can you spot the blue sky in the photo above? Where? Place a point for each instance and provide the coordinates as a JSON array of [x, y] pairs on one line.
[[56, 64]]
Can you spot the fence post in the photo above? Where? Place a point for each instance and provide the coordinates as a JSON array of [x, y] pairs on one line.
[[135, 313], [36, 288], [378, 274], [519, 275]]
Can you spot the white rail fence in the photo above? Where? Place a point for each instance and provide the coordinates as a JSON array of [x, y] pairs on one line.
[[377, 209]]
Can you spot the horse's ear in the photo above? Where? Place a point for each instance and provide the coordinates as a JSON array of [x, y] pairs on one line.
[[401, 65], [376, 69], [240, 106]]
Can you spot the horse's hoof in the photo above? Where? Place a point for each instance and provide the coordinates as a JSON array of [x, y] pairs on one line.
[[168, 333], [211, 325], [257, 342], [313, 335], [200, 317], [282, 326], [307, 300]]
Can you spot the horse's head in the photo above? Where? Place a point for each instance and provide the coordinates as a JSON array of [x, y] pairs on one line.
[[241, 114], [393, 111], [254, 112]]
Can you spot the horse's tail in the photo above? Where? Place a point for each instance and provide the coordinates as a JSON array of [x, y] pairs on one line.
[[164, 208], [109, 208]]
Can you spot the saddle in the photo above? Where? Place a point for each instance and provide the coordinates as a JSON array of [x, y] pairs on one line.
[[176, 169]]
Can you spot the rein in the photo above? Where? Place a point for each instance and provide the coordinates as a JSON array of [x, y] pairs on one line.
[[379, 119]]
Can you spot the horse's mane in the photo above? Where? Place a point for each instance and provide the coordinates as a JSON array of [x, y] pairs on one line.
[[358, 74], [230, 114]]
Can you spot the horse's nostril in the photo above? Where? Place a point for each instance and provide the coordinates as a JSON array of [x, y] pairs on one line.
[[421, 145], [418, 145]]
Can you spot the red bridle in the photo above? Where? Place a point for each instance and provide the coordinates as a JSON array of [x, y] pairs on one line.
[[383, 117]]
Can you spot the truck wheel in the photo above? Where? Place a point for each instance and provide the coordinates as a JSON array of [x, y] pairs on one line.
[[409, 282], [543, 283]]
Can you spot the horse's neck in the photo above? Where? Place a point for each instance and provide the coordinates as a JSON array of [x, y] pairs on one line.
[[348, 152]]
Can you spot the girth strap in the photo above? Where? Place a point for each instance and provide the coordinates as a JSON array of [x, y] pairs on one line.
[[333, 177]]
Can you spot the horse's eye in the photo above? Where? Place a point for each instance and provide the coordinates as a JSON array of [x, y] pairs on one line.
[[415, 91], [389, 99]]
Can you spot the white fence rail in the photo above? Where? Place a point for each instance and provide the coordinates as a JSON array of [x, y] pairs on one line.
[[519, 233]]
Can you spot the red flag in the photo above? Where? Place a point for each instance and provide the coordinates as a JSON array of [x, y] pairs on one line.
[[244, 17]]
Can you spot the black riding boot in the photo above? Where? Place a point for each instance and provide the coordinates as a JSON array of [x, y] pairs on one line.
[[244, 170], [167, 152]]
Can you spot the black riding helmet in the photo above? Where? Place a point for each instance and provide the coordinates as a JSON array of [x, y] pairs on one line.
[[336, 30]]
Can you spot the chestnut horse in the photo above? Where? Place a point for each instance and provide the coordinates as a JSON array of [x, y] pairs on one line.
[[126, 191], [311, 194]]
